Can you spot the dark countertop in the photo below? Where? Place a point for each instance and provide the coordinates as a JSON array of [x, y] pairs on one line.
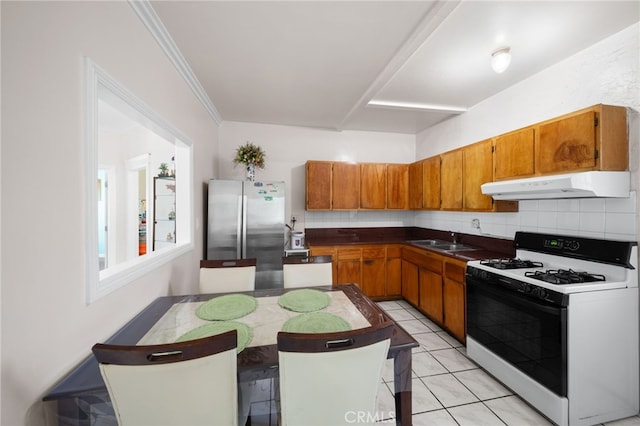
[[483, 247]]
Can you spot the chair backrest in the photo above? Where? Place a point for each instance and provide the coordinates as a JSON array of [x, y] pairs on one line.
[[331, 378], [307, 271], [226, 276], [187, 383]]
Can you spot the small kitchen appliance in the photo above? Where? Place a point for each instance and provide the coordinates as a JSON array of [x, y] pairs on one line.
[[558, 324], [297, 240]]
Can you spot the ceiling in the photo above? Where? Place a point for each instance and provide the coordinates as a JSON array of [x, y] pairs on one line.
[[318, 64]]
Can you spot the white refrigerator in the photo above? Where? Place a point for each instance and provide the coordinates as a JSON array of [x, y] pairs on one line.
[[247, 220]]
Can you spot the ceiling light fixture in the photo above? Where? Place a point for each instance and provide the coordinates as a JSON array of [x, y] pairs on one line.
[[500, 59]]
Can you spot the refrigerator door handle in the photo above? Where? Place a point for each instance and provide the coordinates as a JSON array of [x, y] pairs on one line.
[[244, 227]]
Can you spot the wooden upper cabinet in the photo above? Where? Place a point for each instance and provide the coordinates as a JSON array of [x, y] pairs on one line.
[[346, 186], [415, 185], [591, 139], [431, 183], [513, 155], [477, 169], [397, 186], [373, 185], [318, 185], [451, 180], [568, 144]]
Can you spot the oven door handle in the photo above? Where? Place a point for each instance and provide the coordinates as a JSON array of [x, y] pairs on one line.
[[514, 296]]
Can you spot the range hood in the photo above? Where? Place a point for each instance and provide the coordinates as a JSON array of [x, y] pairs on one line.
[[571, 185]]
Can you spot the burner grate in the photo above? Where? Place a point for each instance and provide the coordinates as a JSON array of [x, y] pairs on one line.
[[564, 276], [510, 263]]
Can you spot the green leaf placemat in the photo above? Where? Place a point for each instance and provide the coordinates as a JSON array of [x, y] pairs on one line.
[[227, 307], [245, 333], [316, 322], [304, 300]]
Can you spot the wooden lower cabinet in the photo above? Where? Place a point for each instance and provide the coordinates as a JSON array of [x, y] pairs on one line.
[[350, 266], [374, 268], [435, 285], [431, 302], [394, 270], [410, 282], [373, 271], [455, 308]]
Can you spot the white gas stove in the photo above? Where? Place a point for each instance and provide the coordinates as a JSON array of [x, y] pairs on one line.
[[559, 323]]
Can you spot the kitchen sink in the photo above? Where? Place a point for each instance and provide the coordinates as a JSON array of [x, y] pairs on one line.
[[441, 245], [451, 247], [428, 242]]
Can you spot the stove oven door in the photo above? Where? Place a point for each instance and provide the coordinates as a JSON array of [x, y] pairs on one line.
[[528, 333]]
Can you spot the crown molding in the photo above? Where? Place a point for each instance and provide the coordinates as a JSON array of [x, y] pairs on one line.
[[150, 19]]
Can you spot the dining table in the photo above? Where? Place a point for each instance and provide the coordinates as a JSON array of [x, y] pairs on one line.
[[81, 396]]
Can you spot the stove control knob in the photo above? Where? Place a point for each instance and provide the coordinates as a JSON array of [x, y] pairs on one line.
[[540, 292]]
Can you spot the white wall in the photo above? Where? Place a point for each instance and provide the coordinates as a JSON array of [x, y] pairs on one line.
[[607, 73], [288, 148], [47, 328]]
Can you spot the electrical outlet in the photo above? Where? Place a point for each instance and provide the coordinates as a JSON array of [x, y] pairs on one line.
[[475, 223]]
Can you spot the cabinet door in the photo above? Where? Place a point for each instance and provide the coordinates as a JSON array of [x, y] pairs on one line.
[[454, 308], [397, 186], [451, 180], [415, 185], [431, 294], [431, 183], [373, 270], [373, 277], [410, 279], [318, 185], [346, 186], [394, 271], [350, 266], [477, 169], [513, 154], [455, 298], [567, 144], [373, 186]]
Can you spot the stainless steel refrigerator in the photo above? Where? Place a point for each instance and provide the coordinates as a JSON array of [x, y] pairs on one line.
[[246, 220]]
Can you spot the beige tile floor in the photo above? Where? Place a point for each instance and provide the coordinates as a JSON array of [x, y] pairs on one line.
[[448, 388]]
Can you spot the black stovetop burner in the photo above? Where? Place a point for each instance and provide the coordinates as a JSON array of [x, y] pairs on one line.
[[564, 276], [509, 263]]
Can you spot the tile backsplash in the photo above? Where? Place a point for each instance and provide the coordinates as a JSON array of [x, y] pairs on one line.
[[614, 219]]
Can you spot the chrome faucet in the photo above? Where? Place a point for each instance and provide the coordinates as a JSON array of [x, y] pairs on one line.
[[455, 237]]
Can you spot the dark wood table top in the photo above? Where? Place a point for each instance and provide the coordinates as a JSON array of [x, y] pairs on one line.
[[86, 378]]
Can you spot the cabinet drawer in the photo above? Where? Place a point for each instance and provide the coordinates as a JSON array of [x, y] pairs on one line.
[[323, 251], [393, 251], [455, 271], [373, 252], [349, 253], [432, 262]]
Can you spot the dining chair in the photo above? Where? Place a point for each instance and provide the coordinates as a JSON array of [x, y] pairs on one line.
[[307, 271], [331, 378], [186, 383], [226, 276]]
